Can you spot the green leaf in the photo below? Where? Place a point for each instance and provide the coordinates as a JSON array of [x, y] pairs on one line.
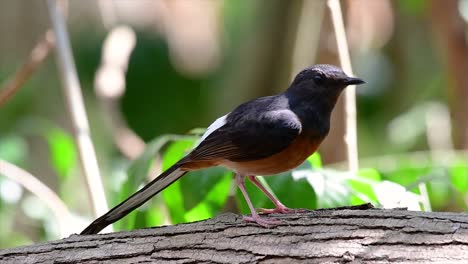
[[370, 173], [214, 200], [155, 215], [406, 174], [173, 195], [13, 149], [140, 167], [336, 191], [137, 174], [362, 186], [459, 176], [356, 199], [174, 200], [259, 200], [390, 194], [315, 160], [294, 193], [63, 154], [198, 195], [176, 151], [200, 212], [196, 185], [439, 193], [329, 186]]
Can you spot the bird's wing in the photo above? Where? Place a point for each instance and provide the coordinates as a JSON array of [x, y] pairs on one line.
[[249, 136]]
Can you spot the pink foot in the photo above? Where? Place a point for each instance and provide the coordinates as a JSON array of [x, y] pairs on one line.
[[281, 210], [263, 222]]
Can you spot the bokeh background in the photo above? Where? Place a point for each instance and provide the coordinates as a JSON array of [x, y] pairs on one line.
[[155, 73]]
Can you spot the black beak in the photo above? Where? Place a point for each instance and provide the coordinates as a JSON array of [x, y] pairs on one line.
[[353, 81]]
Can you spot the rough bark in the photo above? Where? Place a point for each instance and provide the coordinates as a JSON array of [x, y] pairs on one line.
[[322, 236]]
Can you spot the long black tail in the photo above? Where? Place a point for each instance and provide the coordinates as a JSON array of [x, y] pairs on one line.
[[137, 199]]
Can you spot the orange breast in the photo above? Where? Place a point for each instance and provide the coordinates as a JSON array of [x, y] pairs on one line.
[[291, 157]]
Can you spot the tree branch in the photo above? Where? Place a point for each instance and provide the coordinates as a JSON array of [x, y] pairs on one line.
[[334, 235], [75, 103], [350, 92], [44, 193], [39, 53]]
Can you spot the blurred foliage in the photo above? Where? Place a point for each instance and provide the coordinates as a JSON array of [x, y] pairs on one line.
[[157, 91], [404, 78]]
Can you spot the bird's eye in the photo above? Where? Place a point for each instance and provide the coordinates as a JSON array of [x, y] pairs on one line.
[[318, 78]]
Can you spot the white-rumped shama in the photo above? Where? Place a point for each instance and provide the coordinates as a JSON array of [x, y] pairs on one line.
[[265, 136]]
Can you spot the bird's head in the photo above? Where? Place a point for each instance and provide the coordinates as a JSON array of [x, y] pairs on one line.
[[323, 78]]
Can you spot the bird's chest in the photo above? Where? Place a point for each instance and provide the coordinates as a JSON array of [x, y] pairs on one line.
[[315, 118], [291, 157], [315, 126]]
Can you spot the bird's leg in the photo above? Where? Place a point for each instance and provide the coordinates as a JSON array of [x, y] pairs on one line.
[[240, 180], [279, 207]]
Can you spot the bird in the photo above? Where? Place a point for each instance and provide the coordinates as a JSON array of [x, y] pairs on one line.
[[261, 137]]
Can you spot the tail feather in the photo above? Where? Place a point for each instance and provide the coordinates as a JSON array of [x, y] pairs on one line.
[[137, 199]]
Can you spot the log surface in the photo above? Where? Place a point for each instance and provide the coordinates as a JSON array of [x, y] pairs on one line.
[[322, 236]]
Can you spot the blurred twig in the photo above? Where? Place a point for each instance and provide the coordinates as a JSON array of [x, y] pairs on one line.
[[451, 30], [77, 111], [37, 56], [350, 93], [36, 187], [109, 81], [109, 84]]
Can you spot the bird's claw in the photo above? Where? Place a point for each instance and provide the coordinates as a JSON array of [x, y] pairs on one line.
[[281, 210], [267, 223]]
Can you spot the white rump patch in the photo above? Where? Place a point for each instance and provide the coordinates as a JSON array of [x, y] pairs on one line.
[[214, 126]]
